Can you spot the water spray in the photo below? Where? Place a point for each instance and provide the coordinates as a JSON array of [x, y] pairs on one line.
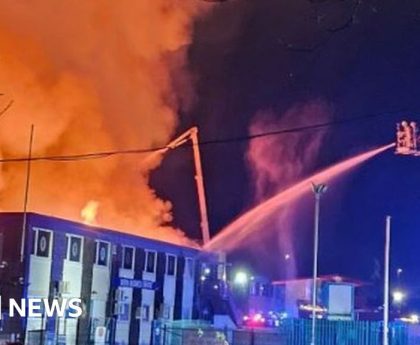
[[236, 232]]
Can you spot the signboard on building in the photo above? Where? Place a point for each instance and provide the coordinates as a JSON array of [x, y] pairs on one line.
[[135, 283]]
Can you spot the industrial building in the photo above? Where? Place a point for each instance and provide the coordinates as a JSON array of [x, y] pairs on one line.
[[335, 297], [291, 298], [125, 282]]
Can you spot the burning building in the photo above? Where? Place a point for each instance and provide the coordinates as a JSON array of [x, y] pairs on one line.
[[125, 282]]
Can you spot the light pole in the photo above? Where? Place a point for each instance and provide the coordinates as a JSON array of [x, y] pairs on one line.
[[385, 339], [318, 190]]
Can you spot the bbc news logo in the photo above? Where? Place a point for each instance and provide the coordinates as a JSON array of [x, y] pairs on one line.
[[42, 307]]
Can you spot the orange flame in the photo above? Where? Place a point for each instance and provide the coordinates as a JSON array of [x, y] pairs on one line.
[[101, 82], [90, 212]]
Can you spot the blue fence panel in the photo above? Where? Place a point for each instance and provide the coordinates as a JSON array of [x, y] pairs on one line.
[[292, 332]]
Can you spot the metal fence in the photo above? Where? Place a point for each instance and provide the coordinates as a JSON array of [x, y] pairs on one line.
[[290, 332]]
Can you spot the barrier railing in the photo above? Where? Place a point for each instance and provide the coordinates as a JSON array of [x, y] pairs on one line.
[[290, 332]]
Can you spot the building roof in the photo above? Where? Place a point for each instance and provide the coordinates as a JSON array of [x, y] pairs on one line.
[[99, 233], [331, 278]]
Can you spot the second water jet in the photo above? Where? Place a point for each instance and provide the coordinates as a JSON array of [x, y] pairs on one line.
[[234, 234]]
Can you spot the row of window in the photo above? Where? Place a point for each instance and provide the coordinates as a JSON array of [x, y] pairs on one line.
[[42, 248], [143, 312]]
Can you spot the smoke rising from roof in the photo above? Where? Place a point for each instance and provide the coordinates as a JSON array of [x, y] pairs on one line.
[[92, 76]]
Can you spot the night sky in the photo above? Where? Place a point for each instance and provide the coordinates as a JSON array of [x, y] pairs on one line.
[[269, 54]]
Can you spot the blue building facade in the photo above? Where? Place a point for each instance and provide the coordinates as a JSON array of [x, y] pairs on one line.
[[125, 281]]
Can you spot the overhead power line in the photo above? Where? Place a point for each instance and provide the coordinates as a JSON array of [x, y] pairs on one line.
[[6, 108], [105, 154], [302, 128]]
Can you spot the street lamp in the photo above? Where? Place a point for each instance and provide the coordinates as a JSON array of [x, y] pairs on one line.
[[241, 278], [399, 272], [398, 299], [398, 296], [318, 190]]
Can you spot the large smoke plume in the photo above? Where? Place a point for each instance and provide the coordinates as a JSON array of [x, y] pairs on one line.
[[92, 76], [278, 161]]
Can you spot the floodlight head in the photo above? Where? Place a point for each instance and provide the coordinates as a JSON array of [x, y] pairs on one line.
[[319, 189], [241, 278]]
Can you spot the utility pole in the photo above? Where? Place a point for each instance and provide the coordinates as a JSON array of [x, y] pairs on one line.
[[385, 340], [26, 197], [318, 191]]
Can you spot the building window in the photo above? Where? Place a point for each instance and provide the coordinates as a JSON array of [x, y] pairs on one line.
[[43, 243], [128, 258], [102, 253], [145, 313], [189, 267], [170, 265], [124, 312], [74, 248], [150, 261]]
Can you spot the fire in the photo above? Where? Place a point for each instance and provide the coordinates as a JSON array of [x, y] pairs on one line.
[[95, 76], [90, 212]]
